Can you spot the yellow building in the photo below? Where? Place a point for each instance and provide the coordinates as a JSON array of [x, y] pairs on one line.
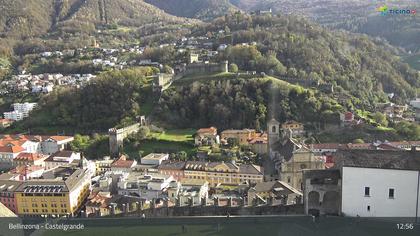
[[296, 127], [241, 136], [104, 165], [54, 196], [223, 172]]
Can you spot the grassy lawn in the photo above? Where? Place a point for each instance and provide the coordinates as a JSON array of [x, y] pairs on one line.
[[170, 141], [177, 135], [150, 146]]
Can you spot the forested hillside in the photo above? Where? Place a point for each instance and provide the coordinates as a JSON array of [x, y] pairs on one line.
[[295, 48], [355, 15], [23, 18], [200, 9], [114, 98], [241, 103]]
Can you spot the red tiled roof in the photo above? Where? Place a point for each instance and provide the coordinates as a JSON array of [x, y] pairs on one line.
[[22, 138], [259, 138], [24, 170], [122, 162], [24, 156], [60, 138], [348, 116], [211, 130], [11, 149]]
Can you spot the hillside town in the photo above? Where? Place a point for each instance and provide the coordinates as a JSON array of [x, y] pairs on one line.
[[43, 177], [234, 171], [254, 114]]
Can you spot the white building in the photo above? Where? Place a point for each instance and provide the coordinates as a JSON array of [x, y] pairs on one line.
[[25, 108], [21, 111], [154, 158], [13, 115], [375, 192], [54, 144], [61, 158]]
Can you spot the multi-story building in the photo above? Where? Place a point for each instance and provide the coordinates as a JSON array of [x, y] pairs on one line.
[[206, 137], [29, 159], [61, 195], [61, 158], [21, 111], [36, 143], [24, 108], [53, 144], [223, 173], [7, 193], [13, 115], [366, 183], [174, 168], [259, 144], [103, 165], [123, 164], [241, 137], [7, 154], [295, 127], [149, 186]]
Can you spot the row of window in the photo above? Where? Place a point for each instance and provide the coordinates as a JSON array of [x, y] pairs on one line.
[[391, 192], [46, 205], [44, 210], [43, 200]]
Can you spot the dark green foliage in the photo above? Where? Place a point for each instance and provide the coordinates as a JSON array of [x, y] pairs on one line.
[[94, 147], [238, 103], [201, 9], [410, 131], [112, 98], [354, 63]]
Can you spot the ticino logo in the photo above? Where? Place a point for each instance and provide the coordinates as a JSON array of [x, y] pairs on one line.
[[384, 10]]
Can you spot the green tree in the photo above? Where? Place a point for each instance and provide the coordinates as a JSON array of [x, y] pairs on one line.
[[408, 130], [143, 132], [233, 68], [358, 141], [380, 118]]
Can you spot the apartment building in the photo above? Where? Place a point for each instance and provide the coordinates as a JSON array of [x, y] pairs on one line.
[[61, 193]]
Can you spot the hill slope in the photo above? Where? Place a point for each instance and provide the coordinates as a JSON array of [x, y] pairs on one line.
[[35, 17], [354, 15], [293, 47], [200, 9]]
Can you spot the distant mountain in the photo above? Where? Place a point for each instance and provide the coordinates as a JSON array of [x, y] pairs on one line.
[[358, 16], [35, 17], [200, 9]]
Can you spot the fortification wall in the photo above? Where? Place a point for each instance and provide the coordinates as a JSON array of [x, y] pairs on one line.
[[202, 68], [117, 136]]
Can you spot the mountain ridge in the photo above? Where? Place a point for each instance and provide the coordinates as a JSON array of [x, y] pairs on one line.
[[36, 17], [200, 9]]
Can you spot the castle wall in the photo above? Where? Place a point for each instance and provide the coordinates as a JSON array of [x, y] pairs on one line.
[[117, 136], [202, 68]]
